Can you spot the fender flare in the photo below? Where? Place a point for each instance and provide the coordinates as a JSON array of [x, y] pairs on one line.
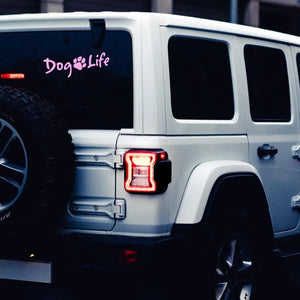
[[200, 185]]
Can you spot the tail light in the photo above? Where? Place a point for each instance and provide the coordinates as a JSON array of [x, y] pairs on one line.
[[147, 171], [128, 257]]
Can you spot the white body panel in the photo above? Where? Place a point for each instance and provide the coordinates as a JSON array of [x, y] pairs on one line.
[[200, 185]]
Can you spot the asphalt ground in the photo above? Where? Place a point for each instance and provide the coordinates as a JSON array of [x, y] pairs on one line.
[[38, 292], [127, 287]]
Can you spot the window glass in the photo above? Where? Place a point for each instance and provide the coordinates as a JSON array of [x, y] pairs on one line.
[[200, 75], [298, 65], [268, 84], [91, 86]]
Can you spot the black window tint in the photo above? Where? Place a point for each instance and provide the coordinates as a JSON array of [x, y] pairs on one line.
[[91, 87], [200, 75], [268, 84], [298, 65]]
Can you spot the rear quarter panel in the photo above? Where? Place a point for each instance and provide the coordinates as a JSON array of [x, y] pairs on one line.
[[154, 215]]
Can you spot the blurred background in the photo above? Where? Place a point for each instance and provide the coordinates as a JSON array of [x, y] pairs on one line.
[[279, 15]]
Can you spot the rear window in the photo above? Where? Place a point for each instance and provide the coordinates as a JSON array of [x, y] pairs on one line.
[[200, 75], [91, 87]]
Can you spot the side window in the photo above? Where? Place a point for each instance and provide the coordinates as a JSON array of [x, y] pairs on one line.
[[298, 66], [200, 76], [268, 84]]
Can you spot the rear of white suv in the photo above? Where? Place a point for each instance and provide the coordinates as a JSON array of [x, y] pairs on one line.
[[174, 162]]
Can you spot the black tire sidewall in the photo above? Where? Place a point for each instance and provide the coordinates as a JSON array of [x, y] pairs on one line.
[[50, 160]]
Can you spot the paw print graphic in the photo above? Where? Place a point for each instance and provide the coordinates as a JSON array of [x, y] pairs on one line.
[[79, 63]]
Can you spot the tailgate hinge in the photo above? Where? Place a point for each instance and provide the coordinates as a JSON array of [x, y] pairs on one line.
[[119, 159], [114, 209], [119, 209], [100, 158]]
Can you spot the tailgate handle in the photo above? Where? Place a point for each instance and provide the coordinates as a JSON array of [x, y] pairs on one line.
[[265, 150]]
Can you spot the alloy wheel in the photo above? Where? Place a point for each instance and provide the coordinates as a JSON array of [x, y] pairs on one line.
[[13, 165], [234, 270]]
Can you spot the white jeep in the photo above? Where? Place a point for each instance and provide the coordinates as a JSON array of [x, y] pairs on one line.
[[139, 138]]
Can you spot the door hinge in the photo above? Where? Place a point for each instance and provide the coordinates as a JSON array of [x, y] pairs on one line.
[[113, 209]]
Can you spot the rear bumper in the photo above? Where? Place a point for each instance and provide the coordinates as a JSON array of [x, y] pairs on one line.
[[108, 252], [86, 256]]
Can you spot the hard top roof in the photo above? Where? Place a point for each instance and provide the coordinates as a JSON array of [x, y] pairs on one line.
[[167, 20]]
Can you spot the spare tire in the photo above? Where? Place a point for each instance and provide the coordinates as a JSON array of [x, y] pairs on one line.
[[37, 161]]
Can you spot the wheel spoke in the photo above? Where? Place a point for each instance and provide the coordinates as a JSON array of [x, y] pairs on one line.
[[12, 174], [13, 167], [227, 295], [222, 280], [245, 267], [238, 253], [221, 289], [223, 266], [11, 182], [232, 252], [245, 274], [6, 137]]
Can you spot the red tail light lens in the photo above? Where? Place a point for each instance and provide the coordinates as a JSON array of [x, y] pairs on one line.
[[147, 171], [140, 171], [127, 257]]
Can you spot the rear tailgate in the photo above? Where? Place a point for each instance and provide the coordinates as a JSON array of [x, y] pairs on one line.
[[92, 205]]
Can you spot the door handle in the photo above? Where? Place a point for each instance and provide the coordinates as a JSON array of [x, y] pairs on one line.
[[296, 151], [266, 149]]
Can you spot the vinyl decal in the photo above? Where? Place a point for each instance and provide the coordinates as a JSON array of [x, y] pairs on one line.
[[79, 63]]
